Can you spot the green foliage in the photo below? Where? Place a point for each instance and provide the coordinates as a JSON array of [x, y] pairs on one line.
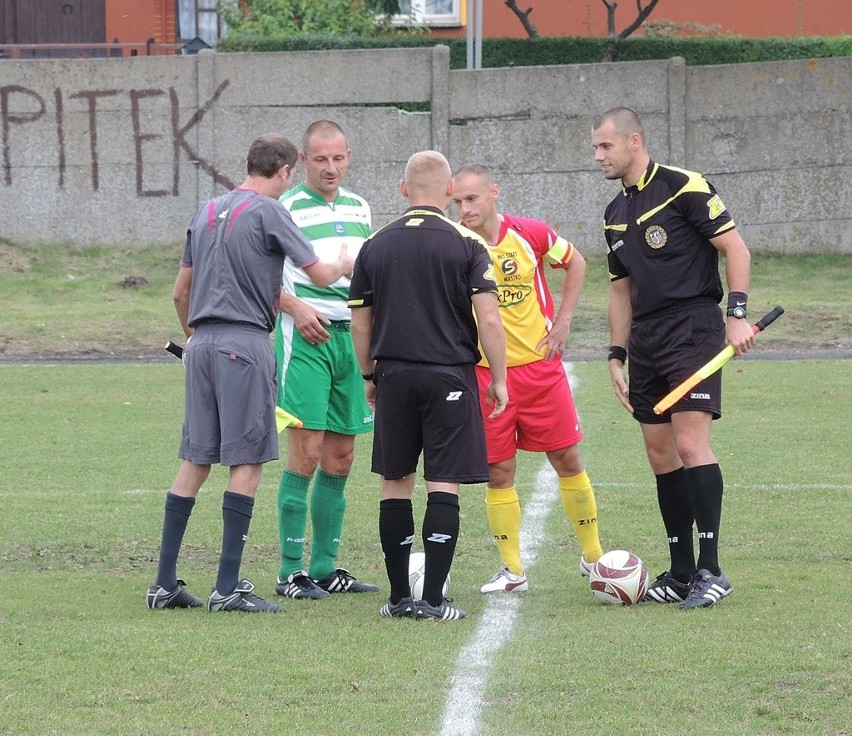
[[261, 19], [545, 51]]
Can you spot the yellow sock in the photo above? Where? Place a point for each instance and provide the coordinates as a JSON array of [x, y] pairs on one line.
[[504, 519], [578, 498]]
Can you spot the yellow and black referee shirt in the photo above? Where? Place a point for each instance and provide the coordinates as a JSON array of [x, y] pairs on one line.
[[658, 233]]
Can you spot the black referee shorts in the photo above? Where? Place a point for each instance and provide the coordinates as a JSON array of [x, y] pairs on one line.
[[433, 409], [666, 350]]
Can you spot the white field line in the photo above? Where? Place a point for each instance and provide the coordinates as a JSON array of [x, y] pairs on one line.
[[467, 685]]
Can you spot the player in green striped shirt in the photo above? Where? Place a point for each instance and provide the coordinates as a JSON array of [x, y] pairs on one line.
[[318, 377]]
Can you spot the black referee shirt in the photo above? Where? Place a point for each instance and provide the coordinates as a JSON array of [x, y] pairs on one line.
[[657, 233], [419, 273]]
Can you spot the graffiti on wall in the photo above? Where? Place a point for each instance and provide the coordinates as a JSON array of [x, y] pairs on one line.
[[21, 106]]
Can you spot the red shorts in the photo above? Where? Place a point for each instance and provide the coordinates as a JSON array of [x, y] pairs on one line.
[[540, 416]]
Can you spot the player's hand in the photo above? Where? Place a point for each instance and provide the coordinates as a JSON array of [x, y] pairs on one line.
[[185, 350], [309, 322], [345, 261], [498, 395], [370, 395], [739, 334], [619, 384], [553, 343]]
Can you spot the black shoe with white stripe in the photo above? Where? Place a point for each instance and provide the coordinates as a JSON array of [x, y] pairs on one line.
[[180, 597], [299, 585], [445, 612], [666, 589], [404, 609], [707, 590], [342, 581], [242, 599]]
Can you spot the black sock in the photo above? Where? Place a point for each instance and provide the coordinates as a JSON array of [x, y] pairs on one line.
[[705, 494], [440, 534], [676, 510], [396, 532], [236, 518], [175, 518]]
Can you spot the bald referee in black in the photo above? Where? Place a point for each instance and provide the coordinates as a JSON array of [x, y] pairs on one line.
[[416, 286], [664, 233]]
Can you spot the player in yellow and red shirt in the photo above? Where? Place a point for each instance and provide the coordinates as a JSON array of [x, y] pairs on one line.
[[541, 416]]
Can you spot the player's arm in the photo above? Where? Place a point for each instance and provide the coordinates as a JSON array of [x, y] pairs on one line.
[[308, 321], [325, 274], [493, 341], [180, 296], [739, 332], [574, 272], [619, 316], [361, 328]]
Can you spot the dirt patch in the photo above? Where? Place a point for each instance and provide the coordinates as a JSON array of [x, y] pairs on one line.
[[13, 258]]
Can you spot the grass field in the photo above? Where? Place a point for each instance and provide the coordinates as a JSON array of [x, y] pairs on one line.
[[89, 450], [73, 302]]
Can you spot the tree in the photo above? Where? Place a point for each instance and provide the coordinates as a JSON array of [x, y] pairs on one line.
[[524, 17], [643, 10], [295, 17]]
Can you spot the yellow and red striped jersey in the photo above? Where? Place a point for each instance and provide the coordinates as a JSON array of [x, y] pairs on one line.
[[526, 304]]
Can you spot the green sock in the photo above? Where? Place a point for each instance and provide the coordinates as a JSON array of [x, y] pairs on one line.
[[292, 518], [328, 505]]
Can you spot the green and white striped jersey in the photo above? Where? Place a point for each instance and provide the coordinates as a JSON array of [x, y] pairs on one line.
[[327, 225]]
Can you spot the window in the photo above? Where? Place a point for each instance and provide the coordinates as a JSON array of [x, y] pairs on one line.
[[199, 18], [430, 12]]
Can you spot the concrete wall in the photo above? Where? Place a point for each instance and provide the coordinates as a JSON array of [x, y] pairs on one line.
[[124, 150]]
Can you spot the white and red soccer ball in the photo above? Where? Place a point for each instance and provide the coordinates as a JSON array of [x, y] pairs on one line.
[[619, 578]]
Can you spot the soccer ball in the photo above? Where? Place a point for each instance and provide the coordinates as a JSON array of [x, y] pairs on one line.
[[416, 574], [619, 578]]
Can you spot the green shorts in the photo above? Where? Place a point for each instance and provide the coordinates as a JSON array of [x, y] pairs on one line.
[[321, 384]]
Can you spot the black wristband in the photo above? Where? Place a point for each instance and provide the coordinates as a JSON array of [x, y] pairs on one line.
[[737, 304], [616, 352], [367, 376]]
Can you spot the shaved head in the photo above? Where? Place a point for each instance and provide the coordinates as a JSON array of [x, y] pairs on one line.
[[624, 121]]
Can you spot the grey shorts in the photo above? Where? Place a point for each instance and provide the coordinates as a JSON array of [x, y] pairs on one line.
[[229, 409]]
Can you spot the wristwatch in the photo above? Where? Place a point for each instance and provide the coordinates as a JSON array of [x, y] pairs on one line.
[[738, 312]]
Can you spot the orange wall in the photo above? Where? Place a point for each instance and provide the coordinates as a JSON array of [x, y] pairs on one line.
[[135, 21], [739, 17]]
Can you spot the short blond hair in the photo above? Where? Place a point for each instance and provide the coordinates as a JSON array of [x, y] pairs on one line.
[[427, 172]]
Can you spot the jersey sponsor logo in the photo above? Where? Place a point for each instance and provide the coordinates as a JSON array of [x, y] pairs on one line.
[[656, 237], [509, 267], [716, 206], [511, 296], [414, 222], [338, 228]]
